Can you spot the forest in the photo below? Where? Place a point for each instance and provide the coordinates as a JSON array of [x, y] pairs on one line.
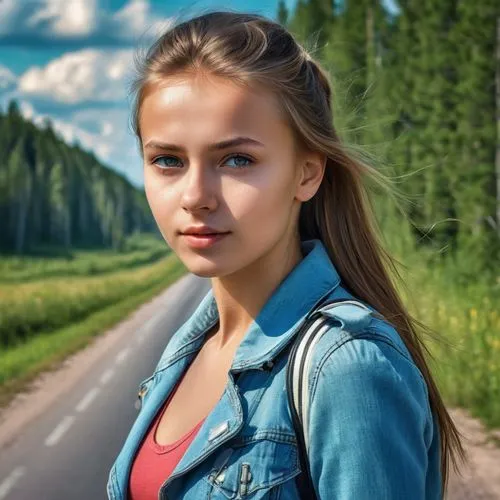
[[58, 196], [418, 93]]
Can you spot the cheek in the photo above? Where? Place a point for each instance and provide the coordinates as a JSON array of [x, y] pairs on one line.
[[266, 202], [159, 200], [152, 193]]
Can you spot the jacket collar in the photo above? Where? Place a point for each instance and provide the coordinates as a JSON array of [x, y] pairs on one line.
[[314, 278]]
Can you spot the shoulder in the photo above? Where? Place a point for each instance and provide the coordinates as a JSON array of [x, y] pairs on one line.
[[369, 397], [368, 362]]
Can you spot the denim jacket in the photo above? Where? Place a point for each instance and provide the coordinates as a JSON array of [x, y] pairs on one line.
[[372, 435]]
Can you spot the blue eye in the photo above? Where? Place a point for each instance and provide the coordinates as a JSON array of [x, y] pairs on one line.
[[171, 161], [241, 157], [165, 158]]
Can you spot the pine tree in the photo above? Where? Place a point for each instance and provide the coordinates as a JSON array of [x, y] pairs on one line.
[[476, 140], [282, 16]]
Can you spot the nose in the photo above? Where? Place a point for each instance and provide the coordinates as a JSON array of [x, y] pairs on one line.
[[198, 192]]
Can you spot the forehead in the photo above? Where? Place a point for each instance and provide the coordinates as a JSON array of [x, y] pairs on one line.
[[206, 105]]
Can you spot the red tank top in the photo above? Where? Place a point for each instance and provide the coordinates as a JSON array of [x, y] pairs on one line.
[[154, 462]]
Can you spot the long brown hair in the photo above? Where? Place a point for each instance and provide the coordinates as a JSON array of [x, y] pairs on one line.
[[251, 49]]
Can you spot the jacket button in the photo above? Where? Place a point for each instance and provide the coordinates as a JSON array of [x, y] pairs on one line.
[[140, 394]]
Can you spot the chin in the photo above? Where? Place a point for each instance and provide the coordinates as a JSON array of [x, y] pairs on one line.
[[204, 274], [202, 267]]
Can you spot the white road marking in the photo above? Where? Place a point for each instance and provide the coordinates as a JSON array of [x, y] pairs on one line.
[[58, 432], [8, 483], [87, 399], [122, 355], [150, 325], [107, 376]]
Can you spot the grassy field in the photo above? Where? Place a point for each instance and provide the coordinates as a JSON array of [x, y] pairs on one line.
[[43, 321], [44, 294], [139, 250], [466, 318]]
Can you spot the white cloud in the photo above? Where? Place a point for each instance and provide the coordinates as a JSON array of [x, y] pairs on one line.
[[7, 78], [8, 11], [107, 124], [85, 76], [63, 17], [26, 109], [135, 17], [85, 22]]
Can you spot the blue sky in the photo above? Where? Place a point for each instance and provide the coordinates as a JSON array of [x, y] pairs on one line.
[[71, 60]]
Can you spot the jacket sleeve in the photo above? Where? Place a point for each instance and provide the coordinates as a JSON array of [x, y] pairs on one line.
[[370, 424]]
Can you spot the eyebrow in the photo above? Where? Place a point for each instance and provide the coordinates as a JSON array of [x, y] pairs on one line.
[[237, 141]]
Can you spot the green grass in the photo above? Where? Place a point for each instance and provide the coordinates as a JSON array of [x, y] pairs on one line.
[[466, 360], [21, 364], [66, 292], [137, 252]]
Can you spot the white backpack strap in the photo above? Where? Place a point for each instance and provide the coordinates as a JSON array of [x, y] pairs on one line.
[[299, 369], [353, 316]]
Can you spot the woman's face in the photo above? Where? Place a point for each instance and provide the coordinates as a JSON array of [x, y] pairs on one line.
[[247, 187]]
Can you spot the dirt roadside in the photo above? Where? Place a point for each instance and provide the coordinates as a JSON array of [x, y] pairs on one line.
[[479, 480]]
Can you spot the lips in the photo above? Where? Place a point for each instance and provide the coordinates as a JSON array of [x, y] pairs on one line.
[[203, 240], [202, 231], [203, 234]]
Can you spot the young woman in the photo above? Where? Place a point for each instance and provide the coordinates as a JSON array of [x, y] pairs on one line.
[[251, 186]]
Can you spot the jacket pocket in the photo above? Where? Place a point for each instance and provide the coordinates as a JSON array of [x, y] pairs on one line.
[[255, 469]]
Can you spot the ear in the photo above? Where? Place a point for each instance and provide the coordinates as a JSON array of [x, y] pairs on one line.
[[311, 169]]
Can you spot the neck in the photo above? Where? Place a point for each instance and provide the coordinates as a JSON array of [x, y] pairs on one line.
[[241, 295]]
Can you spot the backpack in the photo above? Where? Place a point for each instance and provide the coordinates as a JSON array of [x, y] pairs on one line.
[[317, 322]]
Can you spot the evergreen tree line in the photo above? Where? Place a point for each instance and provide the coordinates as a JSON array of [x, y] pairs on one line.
[[422, 86], [60, 195]]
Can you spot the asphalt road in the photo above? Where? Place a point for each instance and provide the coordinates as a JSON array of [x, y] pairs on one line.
[[58, 441], [66, 452]]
